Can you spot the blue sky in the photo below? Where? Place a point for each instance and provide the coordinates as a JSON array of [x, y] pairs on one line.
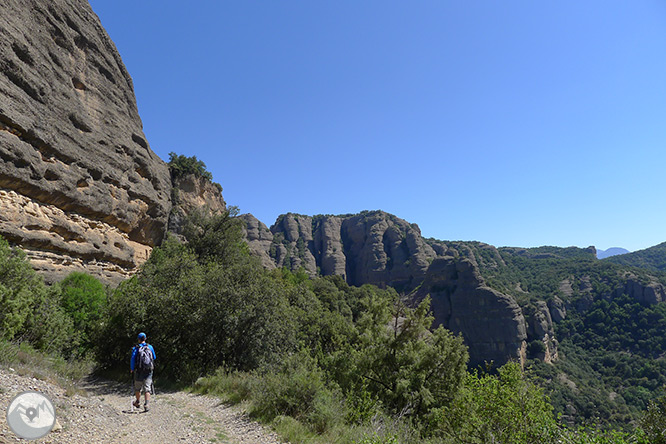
[[519, 123]]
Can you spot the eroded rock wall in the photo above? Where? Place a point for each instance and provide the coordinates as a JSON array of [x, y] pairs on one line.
[[80, 184], [492, 323], [193, 193], [369, 248]]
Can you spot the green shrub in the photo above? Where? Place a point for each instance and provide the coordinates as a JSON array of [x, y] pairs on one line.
[[204, 305], [376, 439], [83, 298], [20, 290], [181, 165], [298, 390], [653, 422], [505, 408], [232, 386]]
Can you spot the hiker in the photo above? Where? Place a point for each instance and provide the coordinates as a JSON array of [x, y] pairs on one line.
[[141, 366]]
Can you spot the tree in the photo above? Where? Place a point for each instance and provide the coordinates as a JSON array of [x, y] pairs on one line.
[[410, 369], [502, 408], [20, 288], [83, 299], [181, 165], [206, 303], [653, 421]]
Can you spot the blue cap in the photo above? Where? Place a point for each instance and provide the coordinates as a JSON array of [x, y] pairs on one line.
[[141, 336]]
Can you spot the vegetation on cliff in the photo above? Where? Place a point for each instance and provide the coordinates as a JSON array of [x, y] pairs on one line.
[[653, 258], [611, 340], [317, 357]]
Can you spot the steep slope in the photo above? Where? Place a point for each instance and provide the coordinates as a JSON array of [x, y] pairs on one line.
[[193, 193], [607, 319], [80, 189], [507, 303]]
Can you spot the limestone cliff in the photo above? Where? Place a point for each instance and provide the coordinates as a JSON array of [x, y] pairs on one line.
[[80, 188]]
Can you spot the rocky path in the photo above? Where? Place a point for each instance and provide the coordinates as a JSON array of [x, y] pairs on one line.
[[102, 415]]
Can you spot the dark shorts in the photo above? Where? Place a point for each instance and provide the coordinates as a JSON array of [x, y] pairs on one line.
[[143, 382]]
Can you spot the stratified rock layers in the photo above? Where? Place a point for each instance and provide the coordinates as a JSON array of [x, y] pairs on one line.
[[80, 185]]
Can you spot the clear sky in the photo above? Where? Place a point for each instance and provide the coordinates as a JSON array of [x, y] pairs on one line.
[[516, 123]]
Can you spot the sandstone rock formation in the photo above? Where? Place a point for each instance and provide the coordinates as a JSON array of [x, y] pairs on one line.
[[369, 248], [259, 238], [293, 243], [79, 185], [192, 193], [650, 292], [491, 323]]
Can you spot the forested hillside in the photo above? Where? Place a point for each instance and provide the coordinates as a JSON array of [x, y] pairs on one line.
[[653, 258], [321, 360], [609, 321]]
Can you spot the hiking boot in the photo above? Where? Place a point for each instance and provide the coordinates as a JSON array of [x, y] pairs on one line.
[[145, 407], [136, 404]]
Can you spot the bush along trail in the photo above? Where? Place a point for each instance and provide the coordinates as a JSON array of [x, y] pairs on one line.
[[99, 412]]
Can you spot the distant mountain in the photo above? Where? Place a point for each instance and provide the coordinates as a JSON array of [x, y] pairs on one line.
[[613, 251], [653, 258]]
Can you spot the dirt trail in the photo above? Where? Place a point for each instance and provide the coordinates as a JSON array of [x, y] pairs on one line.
[[103, 415]]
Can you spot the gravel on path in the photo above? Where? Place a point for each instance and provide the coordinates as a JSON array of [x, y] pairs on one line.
[[103, 415]]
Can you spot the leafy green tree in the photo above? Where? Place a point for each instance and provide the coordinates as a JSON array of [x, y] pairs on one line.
[[653, 422], [502, 408], [29, 310], [83, 298], [20, 289], [205, 304], [217, 238], [409, 368], [49, 328], [181, 165]]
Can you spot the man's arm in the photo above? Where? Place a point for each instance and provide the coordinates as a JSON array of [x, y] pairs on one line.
[[132, 359]]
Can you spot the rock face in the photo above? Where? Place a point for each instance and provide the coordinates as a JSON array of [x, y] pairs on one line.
[[79, 185], [191, 193], [259, 238], [381, 249], [369, 248], [651, 292], [491, 323]]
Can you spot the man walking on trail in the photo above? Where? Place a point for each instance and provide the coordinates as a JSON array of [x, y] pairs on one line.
[[141, 366]]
